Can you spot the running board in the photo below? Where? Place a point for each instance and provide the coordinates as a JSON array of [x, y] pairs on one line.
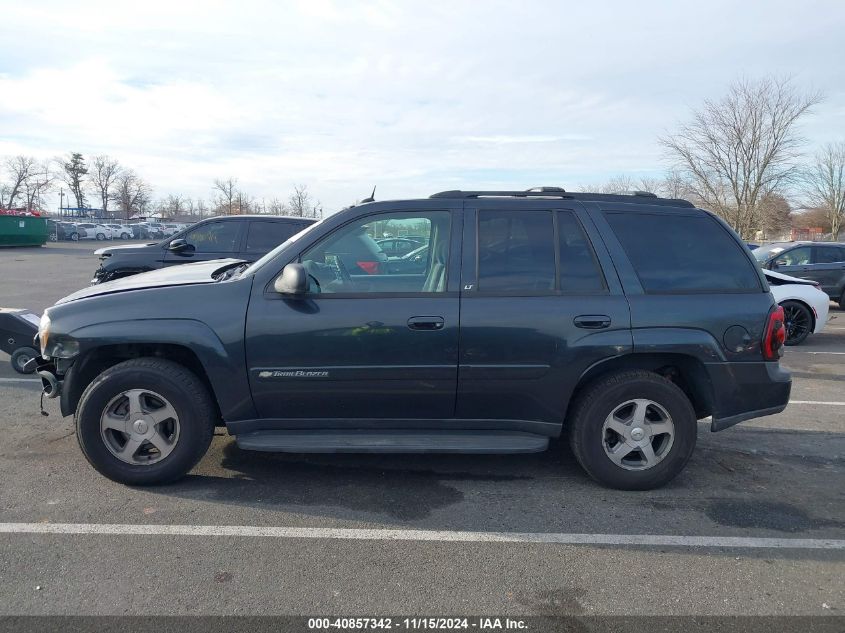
[[369, 441]]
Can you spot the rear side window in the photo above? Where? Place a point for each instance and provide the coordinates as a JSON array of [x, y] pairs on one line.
[[829, 254], [683, 253], [263, 237], [516, 251], [579, 270]]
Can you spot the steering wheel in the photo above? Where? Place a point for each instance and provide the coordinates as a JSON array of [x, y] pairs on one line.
[[341, 272], [308, 271]]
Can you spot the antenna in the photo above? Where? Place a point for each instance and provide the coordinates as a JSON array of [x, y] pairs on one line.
[[372, 197]]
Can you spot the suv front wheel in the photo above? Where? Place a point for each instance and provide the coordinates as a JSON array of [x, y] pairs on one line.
[[145, 421], [632, 430]]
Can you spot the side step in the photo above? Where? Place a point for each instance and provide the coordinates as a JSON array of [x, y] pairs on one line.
[[390, 441]]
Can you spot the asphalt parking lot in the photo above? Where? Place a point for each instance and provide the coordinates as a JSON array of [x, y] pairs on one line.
[[325, 550]]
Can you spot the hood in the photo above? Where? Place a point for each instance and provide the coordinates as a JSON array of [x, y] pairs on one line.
[[182, 275], [771, 274], [125, 248]]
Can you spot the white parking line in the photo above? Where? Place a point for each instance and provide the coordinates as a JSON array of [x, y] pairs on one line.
[[451, 536], [830, 404], [799, 351], [20, 380]]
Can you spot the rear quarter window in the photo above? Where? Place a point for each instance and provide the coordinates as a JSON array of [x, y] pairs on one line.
[[677, 253]]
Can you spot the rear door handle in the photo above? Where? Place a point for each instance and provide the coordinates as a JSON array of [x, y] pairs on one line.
[[426, 323], [592, 321]]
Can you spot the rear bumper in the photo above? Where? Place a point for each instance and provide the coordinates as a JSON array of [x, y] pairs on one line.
[[743, 391]]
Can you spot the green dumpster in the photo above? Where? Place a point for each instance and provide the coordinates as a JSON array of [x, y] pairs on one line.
[[20, 230]]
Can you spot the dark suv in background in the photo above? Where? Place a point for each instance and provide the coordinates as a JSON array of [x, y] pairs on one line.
[[822, 262], [617, 320], [243, 237]]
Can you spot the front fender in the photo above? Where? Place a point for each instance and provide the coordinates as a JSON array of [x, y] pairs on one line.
[[223, 367]]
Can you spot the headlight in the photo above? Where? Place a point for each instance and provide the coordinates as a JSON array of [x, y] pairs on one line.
[[44, 332], [55, 345]]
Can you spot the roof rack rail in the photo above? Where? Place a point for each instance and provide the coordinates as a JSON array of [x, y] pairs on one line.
[[537, 192], [641, 197]]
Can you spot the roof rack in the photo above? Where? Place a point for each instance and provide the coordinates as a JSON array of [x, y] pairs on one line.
[[536, 192], [643, 197]]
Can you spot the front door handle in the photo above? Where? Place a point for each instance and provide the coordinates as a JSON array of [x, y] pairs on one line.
[[592, 321], [426, 323]]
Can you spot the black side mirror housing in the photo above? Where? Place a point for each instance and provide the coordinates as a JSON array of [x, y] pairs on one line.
[[179, 245], [292, 281]]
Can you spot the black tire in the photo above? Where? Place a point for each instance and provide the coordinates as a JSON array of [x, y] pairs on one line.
[[799, 322], [602, 397], [186, 393], [74, 237], [21, 357]]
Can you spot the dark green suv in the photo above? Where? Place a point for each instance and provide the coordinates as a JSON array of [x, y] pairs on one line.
[[617, 320]]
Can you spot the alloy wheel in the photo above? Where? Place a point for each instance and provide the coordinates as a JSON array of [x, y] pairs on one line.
[[638, 434], [139, 427], [797, 322]]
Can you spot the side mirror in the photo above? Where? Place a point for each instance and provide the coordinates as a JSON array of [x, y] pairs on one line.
[[779, 262], [292, 281], [179, 245]]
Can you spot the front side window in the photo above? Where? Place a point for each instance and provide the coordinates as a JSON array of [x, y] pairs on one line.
[[214, 237], [350, 260], [676, 253], [795, 257], [516, 251]]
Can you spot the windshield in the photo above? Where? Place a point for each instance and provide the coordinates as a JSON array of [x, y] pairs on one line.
[[767, 251], [269, 256]]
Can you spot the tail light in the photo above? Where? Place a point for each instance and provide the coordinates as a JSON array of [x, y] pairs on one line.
[[774, 335], [371, 268]]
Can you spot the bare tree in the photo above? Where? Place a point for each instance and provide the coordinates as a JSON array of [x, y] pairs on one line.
[[776, 215], [73, 173], [173, 205], [201, 209], [228, 191], [741, 147], [244, 203], [40, 182], [276, 207], [825, 184], [103, 175], [301, 204], [20, 170], [618, 184], [131, 193]]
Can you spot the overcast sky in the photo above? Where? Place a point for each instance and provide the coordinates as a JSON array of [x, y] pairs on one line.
[[414, 97]]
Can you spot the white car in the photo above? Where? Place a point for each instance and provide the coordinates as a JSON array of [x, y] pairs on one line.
[[172, 229], [96, 231], [805, 305], [120, 231]]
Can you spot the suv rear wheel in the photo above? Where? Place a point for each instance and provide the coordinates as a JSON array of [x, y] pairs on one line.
[[632, 430], [145, 421]]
